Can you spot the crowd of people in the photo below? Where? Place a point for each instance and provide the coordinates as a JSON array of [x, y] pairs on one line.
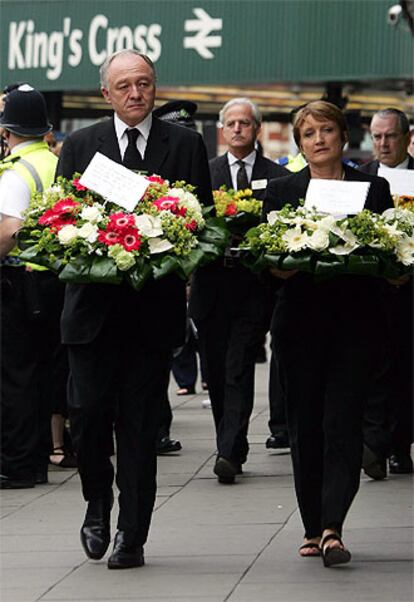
[[340, 388]]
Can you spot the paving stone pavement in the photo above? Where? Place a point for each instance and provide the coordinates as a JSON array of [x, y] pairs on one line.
[[210, 542]]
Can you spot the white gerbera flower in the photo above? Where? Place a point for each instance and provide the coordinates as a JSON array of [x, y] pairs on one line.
[[149, 225], [159, 245], [295, 239], [405, 250], [68, 234]]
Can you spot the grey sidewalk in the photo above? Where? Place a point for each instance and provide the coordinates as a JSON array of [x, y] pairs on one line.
[[210, 542]]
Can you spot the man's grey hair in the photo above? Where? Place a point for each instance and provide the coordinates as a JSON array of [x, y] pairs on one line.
[[401, 118], [103, 71], [257, 116]]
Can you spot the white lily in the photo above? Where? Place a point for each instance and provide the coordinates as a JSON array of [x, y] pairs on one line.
[[159, 245]]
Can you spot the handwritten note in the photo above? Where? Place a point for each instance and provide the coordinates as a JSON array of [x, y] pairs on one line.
[[114, 182], [336, 196], [401, 181]]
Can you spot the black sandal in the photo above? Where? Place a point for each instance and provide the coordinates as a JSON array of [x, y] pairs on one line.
[[68, 460], [334, 555]]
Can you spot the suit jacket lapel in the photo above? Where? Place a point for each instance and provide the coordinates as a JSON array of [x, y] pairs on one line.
[[157, 147], [223, 171], [108, 142]]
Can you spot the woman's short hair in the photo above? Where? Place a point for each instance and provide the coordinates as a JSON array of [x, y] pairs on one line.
[[320, 110]]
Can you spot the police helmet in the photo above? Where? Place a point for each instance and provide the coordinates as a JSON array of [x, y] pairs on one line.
[[177, 111], [25, 112]]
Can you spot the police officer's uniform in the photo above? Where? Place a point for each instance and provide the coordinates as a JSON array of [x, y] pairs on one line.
[[31, 306]]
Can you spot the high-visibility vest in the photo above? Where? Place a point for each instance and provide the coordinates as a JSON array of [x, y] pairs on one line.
[[36, 165]]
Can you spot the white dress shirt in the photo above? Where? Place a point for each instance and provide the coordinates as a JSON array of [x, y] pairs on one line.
[[144, 129], [234, 166]]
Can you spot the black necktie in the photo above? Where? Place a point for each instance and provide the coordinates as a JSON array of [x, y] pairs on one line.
[[242, 179], [132, 158]]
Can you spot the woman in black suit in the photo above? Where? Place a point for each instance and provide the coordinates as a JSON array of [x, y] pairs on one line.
[[328, 341]]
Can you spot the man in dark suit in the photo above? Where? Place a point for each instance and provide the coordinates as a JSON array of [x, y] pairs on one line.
[[388, 417], [120, 341], [229, 305]]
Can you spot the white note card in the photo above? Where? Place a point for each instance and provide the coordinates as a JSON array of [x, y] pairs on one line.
[[401, 181], [114, 182], [336, 197]]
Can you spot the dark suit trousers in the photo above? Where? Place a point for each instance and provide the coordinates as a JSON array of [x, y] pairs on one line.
[[31, 359], [118, 379], [229, 336], [277, 421]]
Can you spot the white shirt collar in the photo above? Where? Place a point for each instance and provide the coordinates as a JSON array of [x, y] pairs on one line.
[[144, 127], [249, 159], [402, 165]]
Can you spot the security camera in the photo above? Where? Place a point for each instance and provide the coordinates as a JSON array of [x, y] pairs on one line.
[[394, 14]]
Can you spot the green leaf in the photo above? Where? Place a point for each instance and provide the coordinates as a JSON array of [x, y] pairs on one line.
[[167, 265], [139, 274], [95, 270], [363, 264], [305, 263]]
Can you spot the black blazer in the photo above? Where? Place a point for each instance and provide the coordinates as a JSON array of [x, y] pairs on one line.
[[174, 153], [209, 280], [343, 302], [263, 169], [372, 166]]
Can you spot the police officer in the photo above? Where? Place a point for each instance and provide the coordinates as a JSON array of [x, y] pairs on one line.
[[31, 299]]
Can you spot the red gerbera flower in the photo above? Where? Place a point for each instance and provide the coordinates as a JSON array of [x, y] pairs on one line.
[[77, 185], [65, 206], [109, 237], [48, 218], [119, 221], [131, 239], [167, 203], [155, 179], [59, 223]]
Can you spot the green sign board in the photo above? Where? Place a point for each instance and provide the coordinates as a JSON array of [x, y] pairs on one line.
[[60, 44]]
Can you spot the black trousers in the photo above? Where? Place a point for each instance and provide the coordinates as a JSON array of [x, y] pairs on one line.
[[229, 336], [118, 380], [34, 371], [327, 343], [277, 420], [388, 416]]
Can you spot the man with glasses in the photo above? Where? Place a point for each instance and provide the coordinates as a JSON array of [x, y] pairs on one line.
[[388, 416], [390, 133]]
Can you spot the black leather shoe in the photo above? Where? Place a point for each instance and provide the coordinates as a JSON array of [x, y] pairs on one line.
[[373, 466], [400, 464], [278, 440], [11, 483], [95, 532], [126, 554], [167, 445], [226, 470]]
